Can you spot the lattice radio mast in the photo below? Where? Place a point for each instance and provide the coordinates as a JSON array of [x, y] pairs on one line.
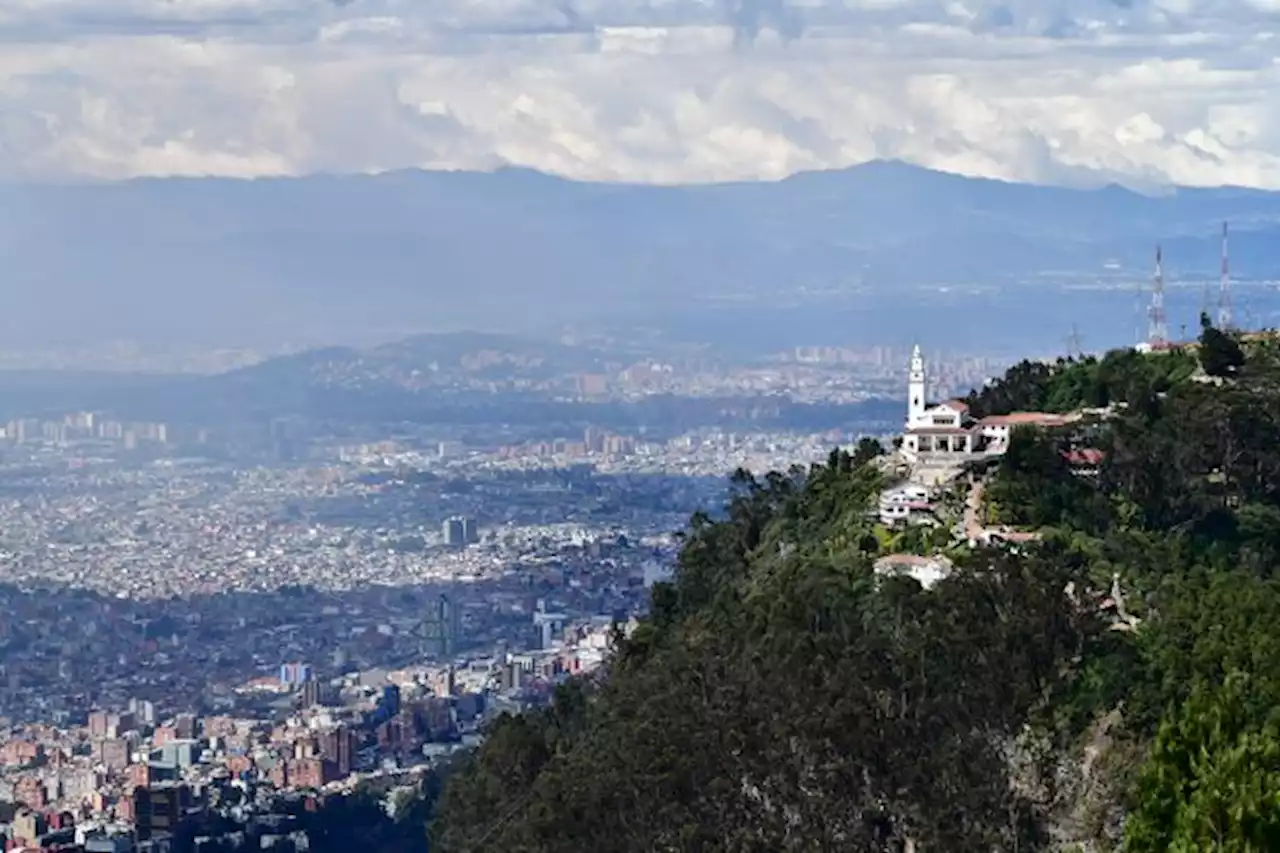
[[1225, 318], [1075, 343], [1158, 328]]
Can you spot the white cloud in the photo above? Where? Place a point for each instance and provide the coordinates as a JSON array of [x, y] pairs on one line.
[[648, 90]]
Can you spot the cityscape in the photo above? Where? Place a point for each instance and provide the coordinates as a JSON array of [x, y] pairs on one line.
[[208, 622], [296, 606], [730, 426]]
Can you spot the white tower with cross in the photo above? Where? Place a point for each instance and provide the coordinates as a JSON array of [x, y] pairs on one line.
[[915, 390]]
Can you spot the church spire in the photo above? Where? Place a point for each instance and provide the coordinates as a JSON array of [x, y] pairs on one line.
[[915, 388]]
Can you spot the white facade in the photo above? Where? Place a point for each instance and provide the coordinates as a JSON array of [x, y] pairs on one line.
[[945, 428], [927, 571], [906, 503], [915, 390]]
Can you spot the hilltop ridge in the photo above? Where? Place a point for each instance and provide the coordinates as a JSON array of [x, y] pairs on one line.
[[789, 690]]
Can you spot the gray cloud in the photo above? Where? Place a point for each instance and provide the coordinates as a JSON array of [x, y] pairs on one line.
[[749, 17], [52, 19], [663, 90]]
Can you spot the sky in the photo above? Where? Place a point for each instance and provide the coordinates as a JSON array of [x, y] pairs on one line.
[[664, 91]]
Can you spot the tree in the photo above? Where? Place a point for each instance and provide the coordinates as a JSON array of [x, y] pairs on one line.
[[1220, 354], [782, 696], [789, 699], [1212, 781], [867, 450]]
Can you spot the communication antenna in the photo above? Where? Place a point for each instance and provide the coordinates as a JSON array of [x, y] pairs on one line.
[[1074, 343], [1157, 328], [1225, 318]]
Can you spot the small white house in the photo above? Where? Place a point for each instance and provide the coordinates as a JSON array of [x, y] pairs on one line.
[[927, 571], [906, 504]]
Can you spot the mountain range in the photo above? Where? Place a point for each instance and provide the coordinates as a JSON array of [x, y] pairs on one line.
[[330, 259]]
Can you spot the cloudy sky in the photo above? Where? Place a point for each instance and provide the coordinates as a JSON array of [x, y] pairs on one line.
[[1183, 91]]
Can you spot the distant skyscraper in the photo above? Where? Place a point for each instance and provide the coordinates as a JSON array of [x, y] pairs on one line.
[[312, 694], [470, 532], [441, 629], [295, 674], [546, 624], [455, 532], [391, 699], [594, 438]]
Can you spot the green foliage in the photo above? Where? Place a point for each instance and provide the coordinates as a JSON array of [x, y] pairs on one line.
[[1070, 384], [1211, 624], [866, 450], [1034, 485], [782, 696], [359, 820], [1220, 354], [1185, 509], [1212, 780]]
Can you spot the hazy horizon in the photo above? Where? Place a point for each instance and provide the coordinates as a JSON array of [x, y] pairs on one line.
[[277, 174], [897, 250]]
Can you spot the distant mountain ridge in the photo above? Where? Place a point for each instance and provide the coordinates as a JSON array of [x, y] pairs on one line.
[[358, 259], [420, 362]]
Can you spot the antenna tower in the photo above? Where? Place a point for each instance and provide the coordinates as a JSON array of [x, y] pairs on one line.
[[1225, 320], [1074, 341], [1157, 329]]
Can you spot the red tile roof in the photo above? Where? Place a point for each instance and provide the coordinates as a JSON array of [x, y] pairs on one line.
[[1085, 456]]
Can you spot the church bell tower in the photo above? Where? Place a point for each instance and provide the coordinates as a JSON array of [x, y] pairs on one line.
[[915, 389]]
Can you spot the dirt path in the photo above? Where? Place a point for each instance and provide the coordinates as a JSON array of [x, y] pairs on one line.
[[973, 528], [976, 531]]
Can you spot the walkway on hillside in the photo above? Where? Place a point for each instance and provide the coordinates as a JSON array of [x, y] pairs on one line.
[[973, 529], [976, 531]]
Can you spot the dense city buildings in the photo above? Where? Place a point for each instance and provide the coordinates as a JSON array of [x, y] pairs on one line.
[[203, 617]]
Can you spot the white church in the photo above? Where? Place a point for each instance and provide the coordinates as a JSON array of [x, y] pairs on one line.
[[948, 430]]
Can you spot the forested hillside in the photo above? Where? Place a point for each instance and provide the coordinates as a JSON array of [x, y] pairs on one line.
[[1113, 685]]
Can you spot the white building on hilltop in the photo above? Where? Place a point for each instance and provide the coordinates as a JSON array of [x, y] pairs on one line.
[[948, 430], [944, 428]]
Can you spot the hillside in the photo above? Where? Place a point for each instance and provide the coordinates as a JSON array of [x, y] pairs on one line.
[[359, 259], [1111, 684]]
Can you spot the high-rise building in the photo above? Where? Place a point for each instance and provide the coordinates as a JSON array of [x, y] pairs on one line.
[[339, 746], [454, 532], [470, 532], [312, 693], [295, 674], [441, 629], [158, 809], [391, 699], [594, 437], [546, 624]]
